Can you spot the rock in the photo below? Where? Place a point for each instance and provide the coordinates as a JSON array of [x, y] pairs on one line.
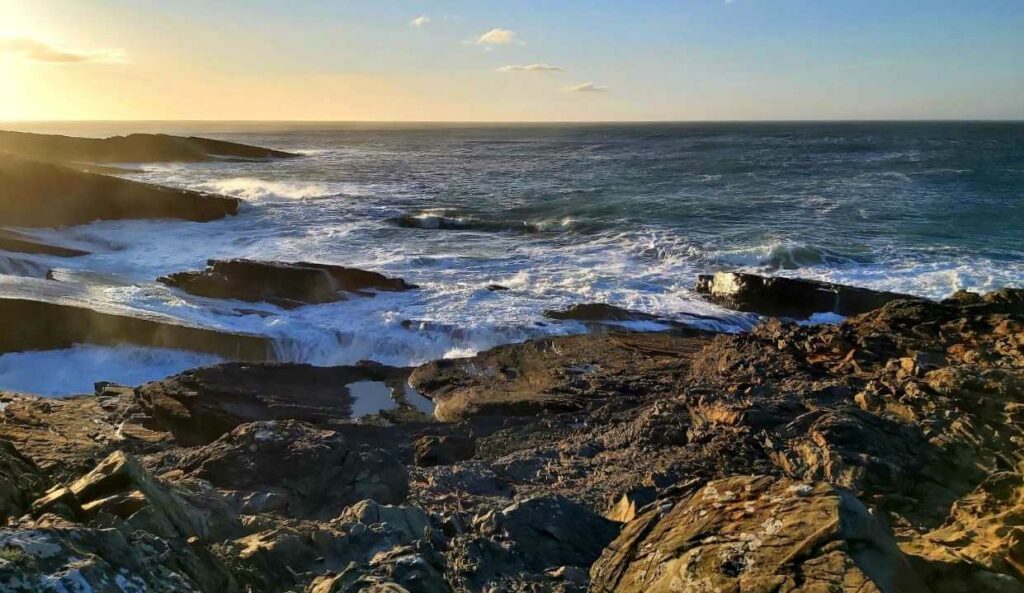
[[555, 374], [790, 297], [277, 456], [42, 194], [598, 312], [497, 287], [42, 325], [74, 558], [443, 450], [410, 521], [550, 532], [12, 241], [20, 482], [200, 405], [626, 508], [756, 534], [134, 148], [285, 284]]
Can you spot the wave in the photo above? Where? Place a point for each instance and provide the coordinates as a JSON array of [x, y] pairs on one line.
[[258, 190], [776, 256], [13, 266]]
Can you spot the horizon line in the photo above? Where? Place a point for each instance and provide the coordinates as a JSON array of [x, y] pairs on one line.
[[511, 122]]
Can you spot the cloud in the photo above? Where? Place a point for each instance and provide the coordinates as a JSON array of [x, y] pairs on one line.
[[40, 51], [534, 68], [499, 37], [586, 87], [420, 21]]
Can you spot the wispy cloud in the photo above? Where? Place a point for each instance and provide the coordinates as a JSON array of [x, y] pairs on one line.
[[532, 68], [40, 51], [586, 87], [420, 21], [500, 37]]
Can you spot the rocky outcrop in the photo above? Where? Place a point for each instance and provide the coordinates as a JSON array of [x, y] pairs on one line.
[[12, 241], [794, 298], [555, 374], [598, 312], [268, 467], [20, 482], [200, 405], [288, 285], [135, 148], [42, 325], [757, 534], [43, 194]]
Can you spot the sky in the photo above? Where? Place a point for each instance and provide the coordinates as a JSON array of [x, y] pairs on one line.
[[513, 60]]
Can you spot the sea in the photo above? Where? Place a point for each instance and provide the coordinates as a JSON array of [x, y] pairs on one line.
[[627, 214]]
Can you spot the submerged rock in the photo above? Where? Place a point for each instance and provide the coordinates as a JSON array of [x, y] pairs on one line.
[[285, 284], [757, 534], [12, 241], [790, 297], [134, 148], [43, 194], [598, 312]]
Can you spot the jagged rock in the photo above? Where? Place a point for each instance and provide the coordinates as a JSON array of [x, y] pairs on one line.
[[598, 312], [134, 148], [278, 457], [20, 482], [790, 297], [443, 450], [42, 325], [41, 194], [555, 374], [981, 546], [626, 508], [285, 284], [756, 534], [200, 405], [410, 521], [70, 558]]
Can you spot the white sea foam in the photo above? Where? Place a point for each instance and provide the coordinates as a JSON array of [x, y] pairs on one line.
[[252, 189]]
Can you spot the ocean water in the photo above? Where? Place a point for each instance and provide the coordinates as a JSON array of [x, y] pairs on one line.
[[560, 214]]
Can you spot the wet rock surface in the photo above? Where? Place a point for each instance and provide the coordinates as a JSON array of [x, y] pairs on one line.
[[12, 241], [883, 454], [284, 284]]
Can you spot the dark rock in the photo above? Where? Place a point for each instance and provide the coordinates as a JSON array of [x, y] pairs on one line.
[[135, 148], [443, 450], [757, 534], [200, 405], [791, 297], [12, 241], [598, 312], [20, 482], [43, 194], [286, 284], [279, 457], [497, 287], [41, 325]]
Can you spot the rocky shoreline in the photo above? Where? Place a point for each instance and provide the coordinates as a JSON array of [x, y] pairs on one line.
[[884, 453]]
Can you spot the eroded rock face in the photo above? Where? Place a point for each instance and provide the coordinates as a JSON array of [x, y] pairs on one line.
[[200, 405], [20, 482], [41, 194], [315, 473], [790, 297], [756, 534], [288, 285], [555, 374]]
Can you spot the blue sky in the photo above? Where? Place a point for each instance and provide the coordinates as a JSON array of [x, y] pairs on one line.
[[525, 60]]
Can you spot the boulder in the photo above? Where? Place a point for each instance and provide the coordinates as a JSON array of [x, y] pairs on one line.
[[598, 312], [21, 482], [134, 148], [65, 558], [285, 284], [41, 325], [756, 534], [43, 194], [794, 298], [443, 450], [556, 374], [277, 457], [202, 404]]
